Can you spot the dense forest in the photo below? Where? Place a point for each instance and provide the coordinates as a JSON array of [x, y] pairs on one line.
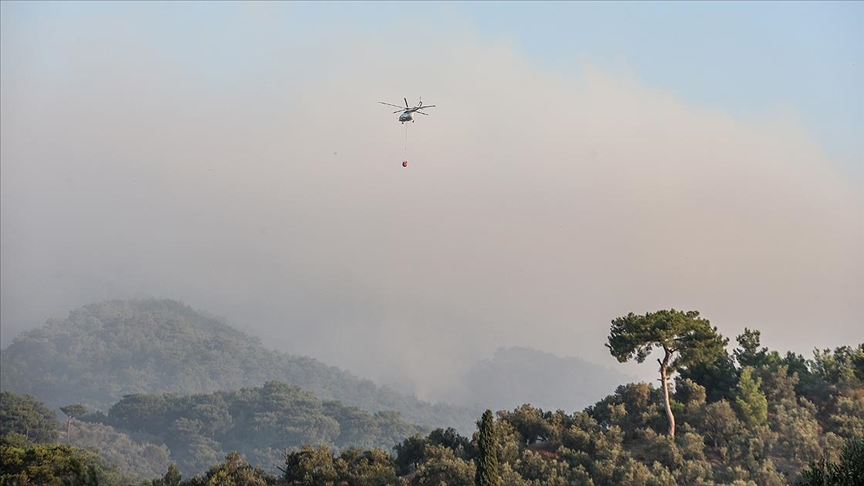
[[752, 416], [140, 432], [106, 350]]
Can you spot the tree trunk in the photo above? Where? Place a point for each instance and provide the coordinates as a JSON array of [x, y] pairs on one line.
[[69, 430], [665, 380]]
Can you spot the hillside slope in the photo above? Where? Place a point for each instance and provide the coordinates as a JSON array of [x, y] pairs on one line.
[[104, 351]]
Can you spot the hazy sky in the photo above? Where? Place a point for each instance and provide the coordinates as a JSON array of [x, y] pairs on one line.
[[584, 160]]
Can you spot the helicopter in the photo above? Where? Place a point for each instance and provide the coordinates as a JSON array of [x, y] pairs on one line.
[[408, 112]]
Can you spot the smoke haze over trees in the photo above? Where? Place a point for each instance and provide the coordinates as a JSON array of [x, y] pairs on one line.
[[538, 202], [584, 160], [788, 419], [104, 351]]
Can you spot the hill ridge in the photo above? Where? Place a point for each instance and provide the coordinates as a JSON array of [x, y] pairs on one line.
[[105, 350]]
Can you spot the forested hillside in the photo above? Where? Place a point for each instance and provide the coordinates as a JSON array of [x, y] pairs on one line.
[[745, 417], [104, 351], [33, 443], [749, 417], [258, 422], [140, 433]]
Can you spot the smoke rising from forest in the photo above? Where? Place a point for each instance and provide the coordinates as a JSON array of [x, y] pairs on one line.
[[537, 206]]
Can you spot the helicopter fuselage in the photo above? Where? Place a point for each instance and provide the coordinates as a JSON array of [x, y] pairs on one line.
[[408, 112]]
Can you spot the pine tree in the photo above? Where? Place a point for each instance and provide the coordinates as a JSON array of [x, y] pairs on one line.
[[685, 338], [487, 446], [751, 402], [75, 411]]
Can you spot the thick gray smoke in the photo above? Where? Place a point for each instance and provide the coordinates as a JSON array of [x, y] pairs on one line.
[[537, 206]]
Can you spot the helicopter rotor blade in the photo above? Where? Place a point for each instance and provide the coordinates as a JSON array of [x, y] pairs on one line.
[[400, 110], [427, 114], [406, 102], [390, 104]]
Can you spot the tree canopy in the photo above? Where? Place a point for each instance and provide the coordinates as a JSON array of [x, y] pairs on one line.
[[107, 350], [754, 416], [689, 338], [28, 417], [685, 338], [487, 452]]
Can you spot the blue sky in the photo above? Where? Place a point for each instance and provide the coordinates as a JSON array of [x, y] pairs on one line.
[[745, 58]]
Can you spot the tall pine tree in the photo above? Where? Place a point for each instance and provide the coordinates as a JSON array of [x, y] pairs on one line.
[[685, 338], [751, 402], [487, 446]]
